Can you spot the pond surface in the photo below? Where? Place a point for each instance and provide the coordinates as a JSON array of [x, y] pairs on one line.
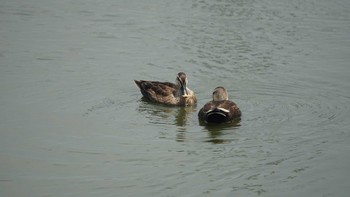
[[73, 123]]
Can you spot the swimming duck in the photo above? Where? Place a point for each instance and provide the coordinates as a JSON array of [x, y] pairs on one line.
[[220, 109], [167, 93]]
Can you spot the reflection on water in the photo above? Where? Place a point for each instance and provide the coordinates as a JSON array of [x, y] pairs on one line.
[[216, 132], [168, 115], [212, 127], [182, 115], [183, 118], [161, 114]]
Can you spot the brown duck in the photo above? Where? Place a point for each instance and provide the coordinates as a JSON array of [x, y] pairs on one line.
[[220, 109], [167, 93]]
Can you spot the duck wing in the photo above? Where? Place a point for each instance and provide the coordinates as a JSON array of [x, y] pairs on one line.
[[161, 92]]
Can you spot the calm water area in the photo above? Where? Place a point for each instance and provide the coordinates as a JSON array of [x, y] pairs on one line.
[[73, 123]]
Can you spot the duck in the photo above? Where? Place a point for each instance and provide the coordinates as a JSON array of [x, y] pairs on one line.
[[220, 109], [167, 93]]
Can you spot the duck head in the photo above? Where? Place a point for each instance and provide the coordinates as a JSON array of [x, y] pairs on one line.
[[220, 94], [181, 81]]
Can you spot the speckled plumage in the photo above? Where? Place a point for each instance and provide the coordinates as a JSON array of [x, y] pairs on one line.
[[168, 93]]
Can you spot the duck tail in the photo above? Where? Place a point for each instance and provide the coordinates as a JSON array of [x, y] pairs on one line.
[[217, 115], [138, 83]]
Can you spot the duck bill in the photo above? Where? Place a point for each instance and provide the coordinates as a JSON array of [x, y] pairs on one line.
[[184, 90]]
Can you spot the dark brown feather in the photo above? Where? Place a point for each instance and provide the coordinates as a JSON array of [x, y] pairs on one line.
[[233, 110]]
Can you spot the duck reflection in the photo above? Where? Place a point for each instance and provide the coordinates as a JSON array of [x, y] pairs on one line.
[[216, 132], [180, 118], [160, 114], [182, 113]]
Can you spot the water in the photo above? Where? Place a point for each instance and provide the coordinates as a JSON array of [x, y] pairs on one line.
[[73, 123]]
